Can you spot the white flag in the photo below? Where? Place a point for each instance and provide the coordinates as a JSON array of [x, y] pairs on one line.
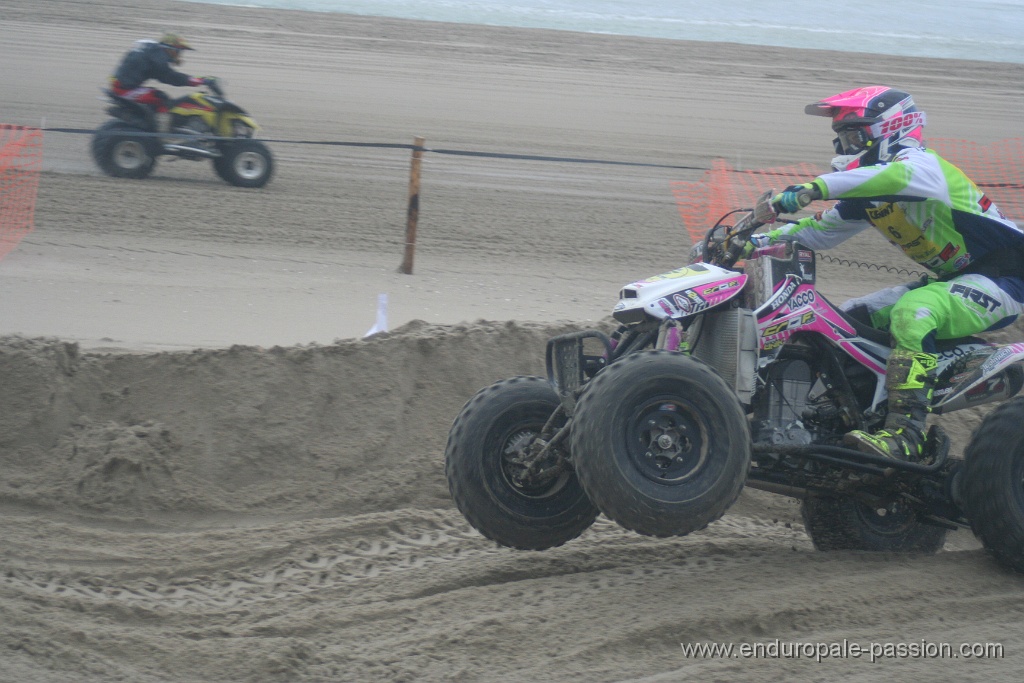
[[381, 324]]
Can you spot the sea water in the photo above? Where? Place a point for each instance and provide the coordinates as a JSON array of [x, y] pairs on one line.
[[990, 30]]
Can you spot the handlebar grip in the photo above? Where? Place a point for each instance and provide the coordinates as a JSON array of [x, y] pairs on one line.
[[804, 196]]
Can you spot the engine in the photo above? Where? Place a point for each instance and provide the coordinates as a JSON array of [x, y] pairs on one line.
[[193, 125], [793, 407]]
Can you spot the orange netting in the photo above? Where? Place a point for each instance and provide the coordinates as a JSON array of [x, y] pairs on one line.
[[21, 157], [996, 169]]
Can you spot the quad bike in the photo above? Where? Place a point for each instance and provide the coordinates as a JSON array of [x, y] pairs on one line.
[[203, 126], [720, 376]]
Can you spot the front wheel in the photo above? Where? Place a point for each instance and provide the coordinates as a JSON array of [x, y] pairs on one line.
[[661, 443], [244, 163], [846, 524], [993, 483], [491, 445], [124, 151]]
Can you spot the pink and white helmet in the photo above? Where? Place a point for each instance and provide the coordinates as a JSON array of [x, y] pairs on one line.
[[873, 124]]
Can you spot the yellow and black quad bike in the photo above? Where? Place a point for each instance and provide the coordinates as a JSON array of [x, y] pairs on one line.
[[204, 125]]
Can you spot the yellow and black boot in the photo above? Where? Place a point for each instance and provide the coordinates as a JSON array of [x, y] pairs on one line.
[[909, 379]]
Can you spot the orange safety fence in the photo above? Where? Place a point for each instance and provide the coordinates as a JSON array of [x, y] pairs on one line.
[[996, 168], [21, 158]]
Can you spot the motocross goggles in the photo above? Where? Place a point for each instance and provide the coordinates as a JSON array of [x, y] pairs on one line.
[[852, 139]]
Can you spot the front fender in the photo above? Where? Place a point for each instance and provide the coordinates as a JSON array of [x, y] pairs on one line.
[[680, 293], [227, 124]]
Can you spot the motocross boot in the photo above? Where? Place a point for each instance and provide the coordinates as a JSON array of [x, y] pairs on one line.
[[909, 379]]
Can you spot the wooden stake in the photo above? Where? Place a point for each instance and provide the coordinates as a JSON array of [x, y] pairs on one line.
[[414, 207]]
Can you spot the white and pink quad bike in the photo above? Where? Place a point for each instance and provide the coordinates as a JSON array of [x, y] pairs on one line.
[[720, 376]]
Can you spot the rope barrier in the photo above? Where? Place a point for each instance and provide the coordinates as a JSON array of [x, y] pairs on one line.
[[571, 160], [415, 148], [782, 173]]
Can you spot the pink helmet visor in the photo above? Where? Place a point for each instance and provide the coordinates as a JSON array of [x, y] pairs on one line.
[[844, 104]]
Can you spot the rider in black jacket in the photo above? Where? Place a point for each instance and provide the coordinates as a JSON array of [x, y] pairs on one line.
[[150, 59]]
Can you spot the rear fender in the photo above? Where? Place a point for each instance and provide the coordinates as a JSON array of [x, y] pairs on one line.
[[137, 119], [130, 112], [984, 375]]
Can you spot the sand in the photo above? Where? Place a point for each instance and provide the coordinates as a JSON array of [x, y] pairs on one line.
[[208, 474]]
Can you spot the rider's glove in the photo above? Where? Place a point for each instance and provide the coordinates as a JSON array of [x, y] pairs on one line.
[[756, 242], [196, 81], [795, 197]]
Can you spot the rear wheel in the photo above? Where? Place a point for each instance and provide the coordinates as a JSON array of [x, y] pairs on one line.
[[244, 163], [993, 483], [124, 151], [661, 443], [847, 524], [491, 445]]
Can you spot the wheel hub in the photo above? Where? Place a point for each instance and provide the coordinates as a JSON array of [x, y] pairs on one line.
[[250, 165], [668, 443], [527, 471], [130, 154], [886, 518]]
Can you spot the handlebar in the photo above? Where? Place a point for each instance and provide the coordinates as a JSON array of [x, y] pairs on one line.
[[730, 249], [213, 83]]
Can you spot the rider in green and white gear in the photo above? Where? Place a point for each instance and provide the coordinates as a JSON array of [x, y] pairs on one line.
[[926, 206]]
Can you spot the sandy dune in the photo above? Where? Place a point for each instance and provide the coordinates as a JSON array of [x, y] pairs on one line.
[[209, 476]]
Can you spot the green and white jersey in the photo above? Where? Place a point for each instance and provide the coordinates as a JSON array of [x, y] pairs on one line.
[[923, 204]]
